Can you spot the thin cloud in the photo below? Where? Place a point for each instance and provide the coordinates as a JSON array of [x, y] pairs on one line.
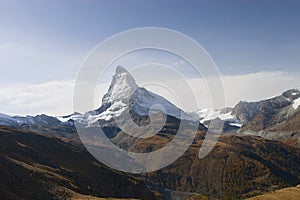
[[53, 98], [56, 97]]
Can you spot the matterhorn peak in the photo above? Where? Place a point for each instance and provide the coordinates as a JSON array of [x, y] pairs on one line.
[[124, 93], [123, 77], [121, 87], [120, 70]]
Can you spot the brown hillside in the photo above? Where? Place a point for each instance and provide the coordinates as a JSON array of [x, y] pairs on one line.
[[34, 166]]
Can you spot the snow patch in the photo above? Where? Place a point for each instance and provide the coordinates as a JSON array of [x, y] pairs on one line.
[[207, 114], [65, 119], [296, 103], [236, 124], [113, 111]]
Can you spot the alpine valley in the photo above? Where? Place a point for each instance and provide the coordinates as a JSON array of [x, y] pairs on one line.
[[42, 156]]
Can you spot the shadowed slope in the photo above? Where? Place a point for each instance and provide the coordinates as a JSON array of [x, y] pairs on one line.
[[35, 167]]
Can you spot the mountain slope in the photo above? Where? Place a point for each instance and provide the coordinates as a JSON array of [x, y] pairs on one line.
[[267, 113], [276, 118], [292, 193], [38, 167], [44, 124], [237, 167]]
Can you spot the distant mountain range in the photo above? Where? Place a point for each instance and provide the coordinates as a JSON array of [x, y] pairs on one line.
[[258, 151], [275, 118]]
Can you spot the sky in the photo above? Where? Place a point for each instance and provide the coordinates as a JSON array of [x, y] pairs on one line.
[[255, 44]]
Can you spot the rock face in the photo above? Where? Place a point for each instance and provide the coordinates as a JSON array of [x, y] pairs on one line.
[[245, 111], [273, 111], [275, 118]]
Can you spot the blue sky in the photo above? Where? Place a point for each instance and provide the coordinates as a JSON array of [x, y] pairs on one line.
[[44, 41]]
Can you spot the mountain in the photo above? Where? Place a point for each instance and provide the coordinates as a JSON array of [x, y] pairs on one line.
[[128, 106], [278, 108], [33, 121], [34, 166], [275, 118], [6, 120], [231, 123], [124, 95], [59, 127], [237, 167]]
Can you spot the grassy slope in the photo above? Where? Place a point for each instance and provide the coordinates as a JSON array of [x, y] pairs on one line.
[[292, 193]]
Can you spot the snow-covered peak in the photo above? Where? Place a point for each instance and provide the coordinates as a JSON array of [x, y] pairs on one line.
[[6, 120], [121, 70], [121, 87], [124, 93], [28, 120], [206, 115], [4, 116]]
